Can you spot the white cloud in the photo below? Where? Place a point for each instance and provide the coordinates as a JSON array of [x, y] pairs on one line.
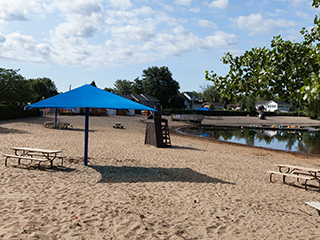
[[24, 47], [220, 39], [82, 18], [69, 8], [2, 38], [206, 23], [277, 13], [75, 29], [13, 10], [299, 2], [167, 7], [122, 4], [302, 14], [176, 43], [120, 17], [256, 24], [93, 33], [194, 10], [142, 32], [220, 4], [183, 2]]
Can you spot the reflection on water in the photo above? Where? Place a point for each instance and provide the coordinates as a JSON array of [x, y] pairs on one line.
[[300, 141]]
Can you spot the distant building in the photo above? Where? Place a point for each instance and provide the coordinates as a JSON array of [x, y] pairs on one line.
[[191, 102], [216, 106], [273, 105], [143, 99], [234, 106]]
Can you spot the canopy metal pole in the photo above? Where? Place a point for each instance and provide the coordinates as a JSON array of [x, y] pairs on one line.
[[86, 136], [55, 118]]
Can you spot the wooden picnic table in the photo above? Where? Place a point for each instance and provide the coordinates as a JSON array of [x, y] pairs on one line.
[[34, 154], [298, 172], [51, 124]]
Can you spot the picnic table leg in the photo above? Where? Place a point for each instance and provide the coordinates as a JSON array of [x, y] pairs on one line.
[[61, 161], [24, 153], [271, 177], [305, 184], [316, 177], [284, 179]]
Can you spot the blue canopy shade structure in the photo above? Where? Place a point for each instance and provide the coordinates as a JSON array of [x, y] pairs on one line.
[[88, 96], [204, 109]]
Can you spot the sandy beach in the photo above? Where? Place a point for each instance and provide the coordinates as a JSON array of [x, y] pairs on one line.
[[197, 189]]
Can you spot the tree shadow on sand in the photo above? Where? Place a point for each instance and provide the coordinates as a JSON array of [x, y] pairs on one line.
[[114, 174], [29, 120], [11, 130]]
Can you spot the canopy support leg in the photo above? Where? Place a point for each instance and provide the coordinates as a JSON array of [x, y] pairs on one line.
[[86, 136], [55, 118]]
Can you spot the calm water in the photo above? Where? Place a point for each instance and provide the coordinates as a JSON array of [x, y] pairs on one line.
[[305, 142]]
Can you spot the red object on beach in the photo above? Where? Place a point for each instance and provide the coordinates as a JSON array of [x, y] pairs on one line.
[[76, 217]]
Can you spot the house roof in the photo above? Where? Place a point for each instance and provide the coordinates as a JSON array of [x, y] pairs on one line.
[[141, 98], [191, 97], [263, 102], [281, 102], [150, 98], [217, 104]]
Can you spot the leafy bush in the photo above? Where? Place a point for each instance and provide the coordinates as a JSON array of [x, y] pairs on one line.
[[11, 112]]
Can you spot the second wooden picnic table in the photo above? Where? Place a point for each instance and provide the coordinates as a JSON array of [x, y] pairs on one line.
[[298, 172], [47, 155]]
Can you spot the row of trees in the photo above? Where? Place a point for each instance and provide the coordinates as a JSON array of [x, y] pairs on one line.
[[16, 90], [286, 71], [155, 81]]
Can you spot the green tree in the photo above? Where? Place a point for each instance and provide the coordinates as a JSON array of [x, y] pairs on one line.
[[210, 94], [123, 87], [93, 83], [43, 88], [14, 88], [109, 89], [177, 102], [311, 88], [159, 83], [287, 71], [137, 86]]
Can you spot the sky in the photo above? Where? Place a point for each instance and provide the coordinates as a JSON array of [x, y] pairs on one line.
[[75, 42]]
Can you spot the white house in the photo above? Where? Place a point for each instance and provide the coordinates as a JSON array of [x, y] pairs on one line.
[[191, 101], [274, 105]]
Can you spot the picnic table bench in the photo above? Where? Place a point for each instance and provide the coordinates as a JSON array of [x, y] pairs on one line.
[[34, 154], [51, 124], [315, 205], [298, 172], [118, 125]]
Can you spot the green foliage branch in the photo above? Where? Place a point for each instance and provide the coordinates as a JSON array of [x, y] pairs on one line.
[[287, 71]]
